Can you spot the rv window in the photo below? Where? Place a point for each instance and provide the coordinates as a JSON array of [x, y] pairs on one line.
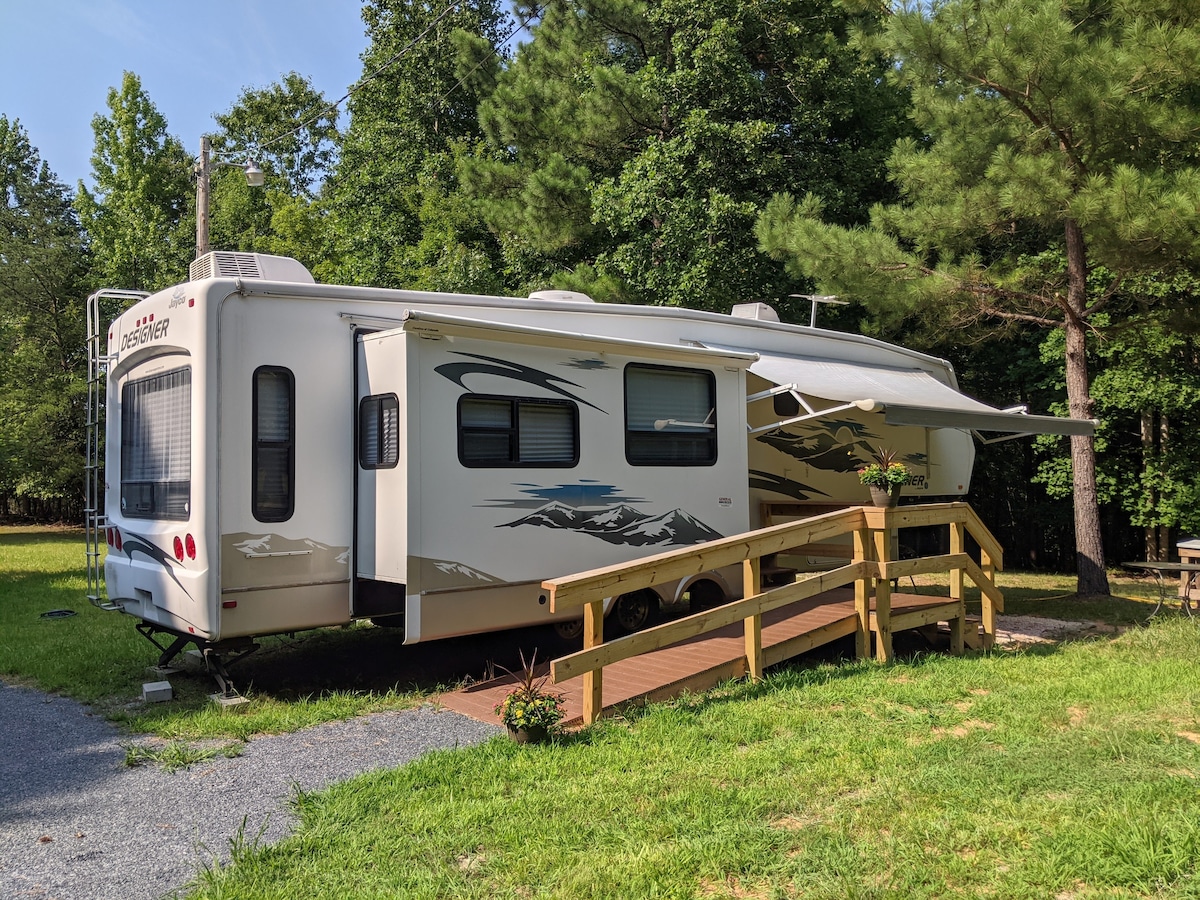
[[670, 416], [517, 431], [379, 432], [156, 446], [274, 449]]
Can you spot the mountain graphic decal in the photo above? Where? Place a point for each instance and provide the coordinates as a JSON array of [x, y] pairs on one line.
[[621, 525]]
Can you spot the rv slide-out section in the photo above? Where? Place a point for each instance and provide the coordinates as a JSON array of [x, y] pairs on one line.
[[491, 459]]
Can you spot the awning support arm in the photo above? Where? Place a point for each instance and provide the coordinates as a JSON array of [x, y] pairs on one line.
[[792, 389], [812, 415]]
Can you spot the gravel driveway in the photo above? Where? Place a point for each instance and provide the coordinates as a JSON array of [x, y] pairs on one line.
[[76, 823]]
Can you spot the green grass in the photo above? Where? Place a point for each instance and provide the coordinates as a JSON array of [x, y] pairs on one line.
[[1068, 771], [96, 657], [172, 756]]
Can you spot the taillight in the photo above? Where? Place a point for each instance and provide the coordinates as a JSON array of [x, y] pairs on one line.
[[189, 544], [178, 545], [117, 539], [108, 536]]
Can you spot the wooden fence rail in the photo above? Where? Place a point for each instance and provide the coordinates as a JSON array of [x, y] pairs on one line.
[[872, 572]]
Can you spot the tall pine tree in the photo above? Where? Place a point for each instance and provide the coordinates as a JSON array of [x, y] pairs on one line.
[[1060, 143]]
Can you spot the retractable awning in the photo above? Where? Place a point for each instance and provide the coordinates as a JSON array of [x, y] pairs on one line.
[[904, 396]]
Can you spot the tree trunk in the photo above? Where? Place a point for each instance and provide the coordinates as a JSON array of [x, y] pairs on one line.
[[1149, 494], [1089, 544], [1164, 531]]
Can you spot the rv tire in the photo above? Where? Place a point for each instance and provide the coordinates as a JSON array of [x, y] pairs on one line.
[[633, 612], [569, 630]]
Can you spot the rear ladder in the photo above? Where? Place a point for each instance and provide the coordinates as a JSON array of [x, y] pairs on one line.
[[95, 521]]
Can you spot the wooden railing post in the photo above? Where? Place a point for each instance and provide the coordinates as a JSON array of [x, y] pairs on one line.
[[958, 544], [593, 680], [883, 593], [751, 587], [989, 606], [862, 596]]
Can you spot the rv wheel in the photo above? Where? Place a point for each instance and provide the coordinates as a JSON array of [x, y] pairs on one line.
[[569, 631], [633, 611]]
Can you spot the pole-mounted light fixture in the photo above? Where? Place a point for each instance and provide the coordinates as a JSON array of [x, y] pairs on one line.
[[255, 177]]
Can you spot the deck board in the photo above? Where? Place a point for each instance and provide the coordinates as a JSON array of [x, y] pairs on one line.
[[699, 662]]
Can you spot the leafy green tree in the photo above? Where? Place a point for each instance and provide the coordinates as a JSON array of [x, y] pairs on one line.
[[42, 264], [638, 142], [138, 218], [1060, 141], [290, 130], [412, 116]]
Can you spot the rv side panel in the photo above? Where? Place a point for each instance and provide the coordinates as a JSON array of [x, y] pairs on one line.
[[529, 462], [285, 465]]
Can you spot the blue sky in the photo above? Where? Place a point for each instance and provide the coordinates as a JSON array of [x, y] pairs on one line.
[[58, 59]]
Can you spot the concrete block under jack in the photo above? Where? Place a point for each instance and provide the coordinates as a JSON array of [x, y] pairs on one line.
[[235, 700], [157, 691]]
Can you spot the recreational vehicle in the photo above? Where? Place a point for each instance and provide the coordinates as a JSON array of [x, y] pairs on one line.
[[281, 455]]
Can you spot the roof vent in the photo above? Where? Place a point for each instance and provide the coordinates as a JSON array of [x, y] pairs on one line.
[[561, 296], [760, 311], [224, 264]]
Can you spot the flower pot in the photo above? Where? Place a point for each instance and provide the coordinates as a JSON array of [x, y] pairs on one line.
[[885, 496], [534, 734]]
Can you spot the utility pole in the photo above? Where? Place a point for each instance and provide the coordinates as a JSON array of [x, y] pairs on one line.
[[255, 177]]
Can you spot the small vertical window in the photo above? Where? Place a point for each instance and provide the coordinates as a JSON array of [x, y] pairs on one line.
[[379, 432], [517, 431], [670, 416], [274, 451]]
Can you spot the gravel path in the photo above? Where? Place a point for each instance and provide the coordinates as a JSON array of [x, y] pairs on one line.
[[76, 823]]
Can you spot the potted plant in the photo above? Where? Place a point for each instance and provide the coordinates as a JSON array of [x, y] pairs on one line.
[[884, 476], [529, 711]]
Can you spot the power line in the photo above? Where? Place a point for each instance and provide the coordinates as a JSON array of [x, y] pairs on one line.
[[362, 82]]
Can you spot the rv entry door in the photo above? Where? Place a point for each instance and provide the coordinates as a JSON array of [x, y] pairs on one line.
[[381, 461]]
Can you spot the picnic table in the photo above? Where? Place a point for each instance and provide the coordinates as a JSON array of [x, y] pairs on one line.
[[1187, 578]]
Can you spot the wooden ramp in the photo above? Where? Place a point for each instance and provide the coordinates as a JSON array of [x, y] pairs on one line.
[[702, 662]]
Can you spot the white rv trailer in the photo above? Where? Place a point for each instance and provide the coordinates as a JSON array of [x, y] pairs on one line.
[[282, 455]]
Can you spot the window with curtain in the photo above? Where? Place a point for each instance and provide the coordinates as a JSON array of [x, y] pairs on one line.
[[274, 444], [156, 446], [517, 431], [379, 432], [670, 416]]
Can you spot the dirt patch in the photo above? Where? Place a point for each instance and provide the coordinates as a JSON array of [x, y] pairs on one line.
[[1023, 630]]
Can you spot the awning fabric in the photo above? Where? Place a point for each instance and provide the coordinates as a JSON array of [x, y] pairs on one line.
[[906, 396]]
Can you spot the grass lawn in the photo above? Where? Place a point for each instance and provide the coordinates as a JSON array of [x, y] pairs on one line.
[[1064, 771], [1059, 771], [96, 656]]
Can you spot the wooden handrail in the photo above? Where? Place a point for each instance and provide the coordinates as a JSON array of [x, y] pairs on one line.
[[573, 591], [574, 664], [924, 565], [872, 529]]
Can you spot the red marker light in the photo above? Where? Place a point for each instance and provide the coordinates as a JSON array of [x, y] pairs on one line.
[[189, 544], [191, 302], [178, 545], [228, 604], [151, 317]]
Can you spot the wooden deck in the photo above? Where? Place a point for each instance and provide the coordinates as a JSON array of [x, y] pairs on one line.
[[702, 662]]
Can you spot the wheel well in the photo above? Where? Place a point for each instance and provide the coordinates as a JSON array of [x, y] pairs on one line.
[[708, 588]]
